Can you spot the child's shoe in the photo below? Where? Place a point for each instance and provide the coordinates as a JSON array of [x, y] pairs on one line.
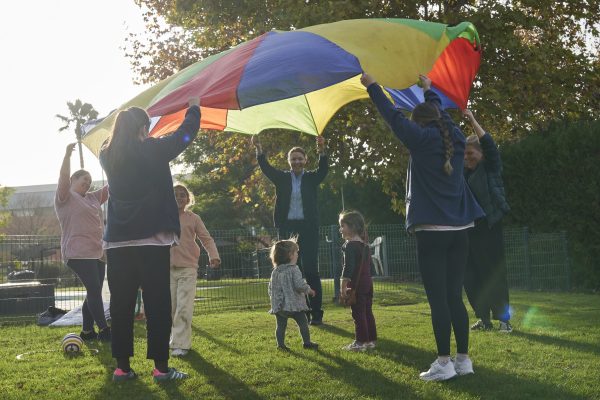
[[311, 345], [120, 376], [105, 335], [171, 375], [369, 345], [179, 352], [91, 335], [355, 346]]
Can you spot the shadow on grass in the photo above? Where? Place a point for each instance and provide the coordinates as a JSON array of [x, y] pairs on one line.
[[554, 341], [218, 342], [486, 383], [228, 385], [368, 382], [334, 330], [137, 388]]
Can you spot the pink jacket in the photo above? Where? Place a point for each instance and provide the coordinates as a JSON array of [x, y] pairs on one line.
[[81, 221], [187, 253]]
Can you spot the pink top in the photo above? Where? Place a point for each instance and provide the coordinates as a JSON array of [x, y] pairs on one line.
[[188, 251], [81, 221]]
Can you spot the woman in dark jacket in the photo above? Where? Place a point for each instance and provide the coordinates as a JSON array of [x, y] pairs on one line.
[[439, 210], [142, 225], [296, 212], [485, 278]]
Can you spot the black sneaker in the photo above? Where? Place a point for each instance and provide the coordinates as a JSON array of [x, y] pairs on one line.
[[316, 322], [505, 327], [482, 325], [105, 335], [311, 345], [92, 335], [283, 347]]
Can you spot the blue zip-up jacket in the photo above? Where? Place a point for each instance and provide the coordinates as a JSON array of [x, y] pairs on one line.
[[432, 197], [142, 201]]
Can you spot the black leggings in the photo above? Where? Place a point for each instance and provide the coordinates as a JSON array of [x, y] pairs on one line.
[[282, 320], [442, 258], [128, 269], [91, 274], [485, 278]]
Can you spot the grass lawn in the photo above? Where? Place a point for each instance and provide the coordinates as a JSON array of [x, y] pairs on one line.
[[554, 353]]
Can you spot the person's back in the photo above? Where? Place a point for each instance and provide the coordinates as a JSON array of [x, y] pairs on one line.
[[142, 225], [440, 209]]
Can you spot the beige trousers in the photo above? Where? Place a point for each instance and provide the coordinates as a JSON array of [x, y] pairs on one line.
[[183, 293]]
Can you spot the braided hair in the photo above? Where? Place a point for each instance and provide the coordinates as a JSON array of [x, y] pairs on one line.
[[426, 113]]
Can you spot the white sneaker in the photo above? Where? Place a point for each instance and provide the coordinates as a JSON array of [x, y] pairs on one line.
[[464, 367], [369, 345], [179, 352], [355, 346], [439, 372]]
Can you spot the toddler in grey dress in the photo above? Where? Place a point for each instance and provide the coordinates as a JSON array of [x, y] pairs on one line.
[[288, 291]]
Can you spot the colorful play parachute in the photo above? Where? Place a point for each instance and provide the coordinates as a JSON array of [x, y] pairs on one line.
[[298, 80]]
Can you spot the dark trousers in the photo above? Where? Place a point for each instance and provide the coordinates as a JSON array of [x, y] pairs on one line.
[[91, 274], [485, 278], [442, 258], [308, 256], [282, 320], [364, 320], [128, 269]]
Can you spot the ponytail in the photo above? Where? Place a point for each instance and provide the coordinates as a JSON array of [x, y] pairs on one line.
[[448, 145], [426, 113]]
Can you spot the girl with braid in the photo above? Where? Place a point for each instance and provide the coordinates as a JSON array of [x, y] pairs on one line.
[[439, 210]]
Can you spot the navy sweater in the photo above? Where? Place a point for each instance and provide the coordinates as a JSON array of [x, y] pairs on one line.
[[142, 202], [432, 197]]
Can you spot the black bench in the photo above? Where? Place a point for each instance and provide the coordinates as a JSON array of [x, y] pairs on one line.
[[25, 298]]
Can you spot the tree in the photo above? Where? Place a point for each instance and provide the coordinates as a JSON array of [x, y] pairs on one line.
[[5, 193], [537, 68], [33, 215], [79, 114]]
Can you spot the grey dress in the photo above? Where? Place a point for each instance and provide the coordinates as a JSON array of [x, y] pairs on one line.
[[287, 289]]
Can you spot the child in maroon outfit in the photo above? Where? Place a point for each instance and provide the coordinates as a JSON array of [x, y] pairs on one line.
[[356, 274]]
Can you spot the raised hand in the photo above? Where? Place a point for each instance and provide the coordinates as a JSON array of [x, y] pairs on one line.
[[321, 144], [424, 82], [69, 150], [366, 79]]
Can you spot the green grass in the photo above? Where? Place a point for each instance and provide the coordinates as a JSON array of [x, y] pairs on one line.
[[554, 353]]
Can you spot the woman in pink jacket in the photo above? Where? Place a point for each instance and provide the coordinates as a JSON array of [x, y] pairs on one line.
[[184, 267], [82, 224]]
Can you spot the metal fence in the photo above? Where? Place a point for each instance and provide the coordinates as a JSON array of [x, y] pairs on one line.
[[33, 277]]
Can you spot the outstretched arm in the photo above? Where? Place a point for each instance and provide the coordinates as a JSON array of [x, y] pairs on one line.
[[476, 127], [491, 155], [407, 131], [272, 173], [323, 168], [169, 147], [64, 178]]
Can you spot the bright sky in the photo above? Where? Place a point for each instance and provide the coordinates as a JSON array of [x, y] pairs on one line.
[[54, 51]]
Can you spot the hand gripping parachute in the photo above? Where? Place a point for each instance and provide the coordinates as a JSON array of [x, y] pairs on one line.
[[299, 79]]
